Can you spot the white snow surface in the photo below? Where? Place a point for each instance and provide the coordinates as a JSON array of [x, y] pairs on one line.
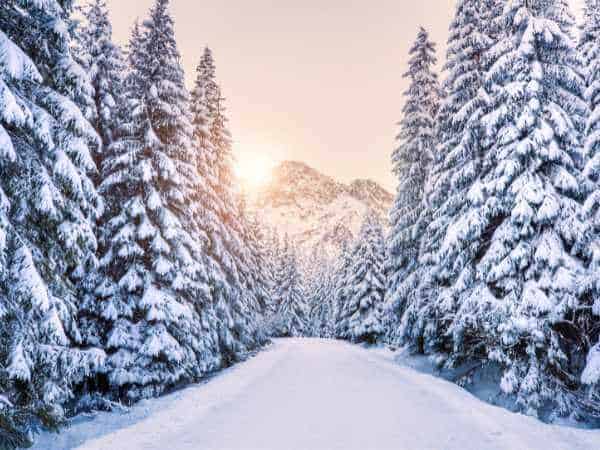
[[311, 394]]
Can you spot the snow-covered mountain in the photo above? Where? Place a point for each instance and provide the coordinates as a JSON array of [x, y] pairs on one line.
[[313, 208]]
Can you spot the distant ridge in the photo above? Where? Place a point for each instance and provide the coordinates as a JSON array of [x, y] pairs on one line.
[[315, 209]]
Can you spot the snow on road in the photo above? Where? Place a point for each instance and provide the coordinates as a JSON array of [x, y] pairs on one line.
[[310, 394]]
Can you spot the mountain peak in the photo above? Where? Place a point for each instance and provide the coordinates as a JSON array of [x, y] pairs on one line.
[[370, 191], [290, 173], [315, 209], [298, 165]]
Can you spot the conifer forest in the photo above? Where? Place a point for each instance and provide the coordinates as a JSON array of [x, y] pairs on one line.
[[133, 267]]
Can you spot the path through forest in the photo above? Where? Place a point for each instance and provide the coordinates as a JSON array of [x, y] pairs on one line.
[[310, 394]]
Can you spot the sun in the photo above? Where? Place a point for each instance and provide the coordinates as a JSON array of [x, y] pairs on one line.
[[253, 169]]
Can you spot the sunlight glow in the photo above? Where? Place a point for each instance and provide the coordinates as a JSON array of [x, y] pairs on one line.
[[253, 169]]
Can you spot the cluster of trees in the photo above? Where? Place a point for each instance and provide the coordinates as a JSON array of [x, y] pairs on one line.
[[128, 265], [491, 262], [492, 258], [345, 297], [320, 295], [493, 253]]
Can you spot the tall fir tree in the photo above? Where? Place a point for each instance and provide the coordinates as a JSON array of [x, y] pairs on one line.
[[560, 12], [589, 48], [47, 206], [104, 63], [366, 283], [519, 293], [154, 278], [221, 220], [588, 41], [455, 168], [103, 60], [411, 161]]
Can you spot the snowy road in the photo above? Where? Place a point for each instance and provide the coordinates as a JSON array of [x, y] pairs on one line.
[[319, 395]]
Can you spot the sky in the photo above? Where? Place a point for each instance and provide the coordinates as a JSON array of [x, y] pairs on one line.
[[318, 81]]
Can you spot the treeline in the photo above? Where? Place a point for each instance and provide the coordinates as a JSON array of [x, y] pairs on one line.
[[491, 263], [128, 264], [493, 254], [315, 294], [345, 296]]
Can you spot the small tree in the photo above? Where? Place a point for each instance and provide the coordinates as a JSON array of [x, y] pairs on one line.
[[320, 289], [361, 314], [340, 290], [291, 318]]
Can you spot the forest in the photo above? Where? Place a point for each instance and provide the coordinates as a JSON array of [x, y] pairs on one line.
[[130, 265]]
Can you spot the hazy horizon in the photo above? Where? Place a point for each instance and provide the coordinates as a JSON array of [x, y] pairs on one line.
[[318, 82]]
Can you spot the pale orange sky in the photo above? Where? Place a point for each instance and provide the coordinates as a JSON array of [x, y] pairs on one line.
[[312, 80]]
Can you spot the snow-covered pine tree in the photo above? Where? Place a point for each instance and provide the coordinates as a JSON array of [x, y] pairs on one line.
[[456, 165], [588, 40], [362, 312], [587, 322], [520, 293], [411, 161], [340, 288], [328, 312], [105, 65], [154, 277], [47, 206], [220, 218], [274, 252], [319, 287], [277, 246], [256, 270], [268, 247], [291, 318], [560, 11], [586, 44]]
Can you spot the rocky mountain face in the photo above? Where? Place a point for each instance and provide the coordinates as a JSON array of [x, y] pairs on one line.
[[314, 209]]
